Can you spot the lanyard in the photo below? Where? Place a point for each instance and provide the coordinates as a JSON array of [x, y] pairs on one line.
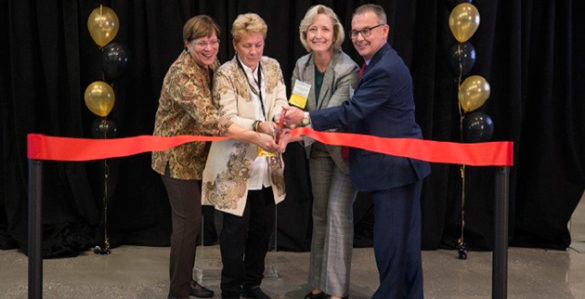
[[259, 83]]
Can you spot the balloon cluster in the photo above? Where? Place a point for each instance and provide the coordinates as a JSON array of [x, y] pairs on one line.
[[475, 126], [103, 26], [474, 90]]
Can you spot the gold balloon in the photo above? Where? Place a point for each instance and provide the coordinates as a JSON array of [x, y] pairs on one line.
[[463, 21], [99, 98], [473, 92], [103, 25]]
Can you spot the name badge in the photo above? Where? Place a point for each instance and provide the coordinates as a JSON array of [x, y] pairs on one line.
[[263, 153], [299, 95]]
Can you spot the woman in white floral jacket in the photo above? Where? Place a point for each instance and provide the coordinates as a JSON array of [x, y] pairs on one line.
[[239, 179]]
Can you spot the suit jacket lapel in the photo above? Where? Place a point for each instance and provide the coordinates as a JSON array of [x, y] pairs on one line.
[[309, 77], [326, 86]]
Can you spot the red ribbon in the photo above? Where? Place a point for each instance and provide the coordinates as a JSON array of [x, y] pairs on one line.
[[42, 147]]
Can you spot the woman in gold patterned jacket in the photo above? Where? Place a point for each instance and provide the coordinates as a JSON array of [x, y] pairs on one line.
[[239, 180], [185, 108]]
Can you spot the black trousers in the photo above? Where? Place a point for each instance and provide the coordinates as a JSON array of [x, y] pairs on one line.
[[244, 242], [185, 199]]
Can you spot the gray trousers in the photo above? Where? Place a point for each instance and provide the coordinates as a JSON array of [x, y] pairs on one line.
[[332, 242]]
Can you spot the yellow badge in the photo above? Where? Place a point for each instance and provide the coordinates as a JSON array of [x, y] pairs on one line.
[[263, 153], [299, 95]]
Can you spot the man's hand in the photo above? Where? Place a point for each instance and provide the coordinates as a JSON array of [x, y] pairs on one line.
[[293, 116]]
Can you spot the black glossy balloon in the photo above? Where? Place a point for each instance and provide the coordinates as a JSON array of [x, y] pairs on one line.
[[104, 128], [462, 58], [453, 3], [477, 127], [115, 60]]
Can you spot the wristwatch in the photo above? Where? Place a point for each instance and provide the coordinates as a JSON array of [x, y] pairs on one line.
[[306, 119]]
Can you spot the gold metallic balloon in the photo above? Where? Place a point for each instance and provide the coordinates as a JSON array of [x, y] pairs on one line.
[[473, 92], [463, 21], [103, 25], [99, 98]]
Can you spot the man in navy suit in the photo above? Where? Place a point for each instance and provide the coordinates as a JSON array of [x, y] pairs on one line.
[[382, 105]]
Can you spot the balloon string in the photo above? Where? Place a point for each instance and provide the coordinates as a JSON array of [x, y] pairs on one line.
[[106, 195], [461, 240]]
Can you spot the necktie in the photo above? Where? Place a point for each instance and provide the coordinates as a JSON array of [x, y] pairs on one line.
[[345, 149]]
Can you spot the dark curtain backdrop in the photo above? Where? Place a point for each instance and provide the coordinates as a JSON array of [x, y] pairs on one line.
[[531, 53]]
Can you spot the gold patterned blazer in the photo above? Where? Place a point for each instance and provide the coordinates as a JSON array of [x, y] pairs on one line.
[[228, 168], [185, 108]]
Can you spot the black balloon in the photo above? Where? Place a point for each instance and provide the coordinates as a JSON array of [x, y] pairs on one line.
[[115, 59], [477, 127], [462, 58], [104, 128], [453, 3]]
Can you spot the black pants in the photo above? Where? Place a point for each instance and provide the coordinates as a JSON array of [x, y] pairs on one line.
[[244, 242], [185, 199]]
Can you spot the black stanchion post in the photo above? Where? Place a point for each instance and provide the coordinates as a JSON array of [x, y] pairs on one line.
[[35, 260], [500, 254]]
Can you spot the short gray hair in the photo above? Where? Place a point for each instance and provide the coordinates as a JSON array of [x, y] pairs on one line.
[[375, 8]]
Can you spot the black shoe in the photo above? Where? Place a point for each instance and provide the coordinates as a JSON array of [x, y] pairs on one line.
[[310, 295], [254, 292], [200, 291], [171, 297]]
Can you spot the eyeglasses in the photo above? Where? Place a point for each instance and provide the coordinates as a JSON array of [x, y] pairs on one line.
[[204, 44], [364, 32]]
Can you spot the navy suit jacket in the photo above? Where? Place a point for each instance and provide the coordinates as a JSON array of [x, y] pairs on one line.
[[382, 105]]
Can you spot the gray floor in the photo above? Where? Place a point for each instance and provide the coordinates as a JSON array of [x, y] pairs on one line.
[[141, 272]]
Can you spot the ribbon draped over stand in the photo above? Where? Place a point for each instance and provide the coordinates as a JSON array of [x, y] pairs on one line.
[[41, 147]]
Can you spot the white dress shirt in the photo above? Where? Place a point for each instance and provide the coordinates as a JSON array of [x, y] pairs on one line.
[[259, 174]]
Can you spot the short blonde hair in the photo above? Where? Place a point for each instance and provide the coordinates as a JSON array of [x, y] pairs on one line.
[[338, 33], [248, 23], [199, 26]]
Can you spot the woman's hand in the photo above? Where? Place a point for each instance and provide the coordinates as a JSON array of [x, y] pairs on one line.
[[284, 140], [266, 142], [267, 127]]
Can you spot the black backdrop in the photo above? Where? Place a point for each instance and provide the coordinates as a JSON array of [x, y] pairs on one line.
[[531, 53]]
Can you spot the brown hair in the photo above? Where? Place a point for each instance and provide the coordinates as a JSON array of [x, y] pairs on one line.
[[199, 26]]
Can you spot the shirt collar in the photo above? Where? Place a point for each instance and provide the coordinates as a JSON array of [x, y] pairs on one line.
[[248, 70]]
